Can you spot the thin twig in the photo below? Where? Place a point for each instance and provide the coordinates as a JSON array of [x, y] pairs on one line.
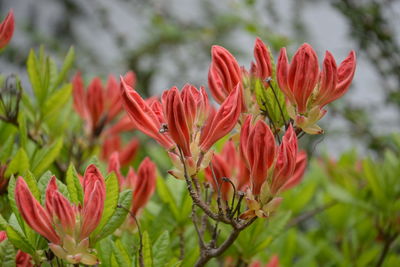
[[386, 247]]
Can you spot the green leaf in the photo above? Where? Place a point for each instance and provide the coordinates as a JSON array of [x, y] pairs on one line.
[[44, 181], [3, 223], [147, 257], [121, 255], [271, 102], [34, 76], [73, 185], [7, 148], [19, 164], [373, 179], [68, 62], [46, 157], [119, 216], [57, 101], [111, 202], [166, 196], [161, 249], [11, 195], [19, 240], [8, 254]]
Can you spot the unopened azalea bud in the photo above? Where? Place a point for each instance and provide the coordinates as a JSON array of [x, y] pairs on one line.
[[223, 121], [224, 73], [262, 68], [7, 29]]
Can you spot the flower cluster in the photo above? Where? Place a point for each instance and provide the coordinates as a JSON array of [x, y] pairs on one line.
[[65, 225], [183, 122]]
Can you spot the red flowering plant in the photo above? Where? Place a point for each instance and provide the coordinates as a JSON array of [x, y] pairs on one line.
[[231, 154]]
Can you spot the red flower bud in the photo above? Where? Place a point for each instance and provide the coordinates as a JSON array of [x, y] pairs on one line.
[[7, 29], [144, 184], [335, 81], [285, 161], [263, 66], [223, 121], [93, 202], [298, 80], [143, 117], [33, 213], [224, 73], [175, 114], [298, 173], [95, 101]]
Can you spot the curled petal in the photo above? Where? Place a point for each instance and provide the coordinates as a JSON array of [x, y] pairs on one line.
[[260, 153], [224, 73], [143, 116], [343, 77], [176, 120], [220, 124], [329, 77], [297, 176], [33, 213], [50, 191], [263, 67], [92, 208], [285, 161], [65, 212], [282, 75]]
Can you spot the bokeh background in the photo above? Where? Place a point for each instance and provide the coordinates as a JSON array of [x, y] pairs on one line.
[[167, 42]]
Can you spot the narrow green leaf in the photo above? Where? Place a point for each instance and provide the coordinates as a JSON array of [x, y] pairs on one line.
[[47, 156], [34, 76], [121, 255], [11, 195], [119, 216], [74, 186], [19, 164], [161, 249], [147, 257], [7, 148], [19, 240], [56, 101], [166, 196], [3, 223], [68, 62], [8, 255]]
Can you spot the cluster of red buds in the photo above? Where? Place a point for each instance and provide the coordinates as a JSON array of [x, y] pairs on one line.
[[260, 164], [67, 226], [184, 123]]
